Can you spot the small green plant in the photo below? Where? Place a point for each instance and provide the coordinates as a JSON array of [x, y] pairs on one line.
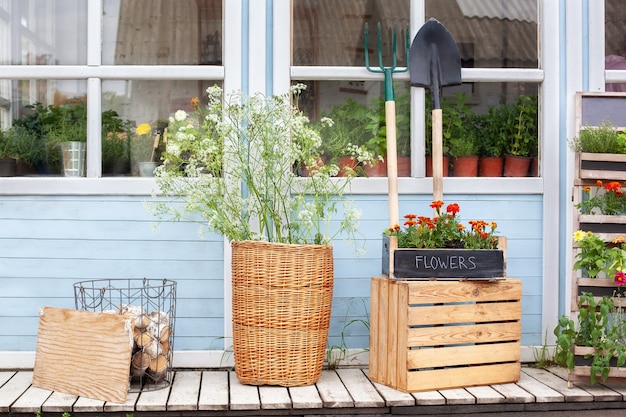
[[335, 354], [597, 328], [604, 138], [542, 355], [522, 126]]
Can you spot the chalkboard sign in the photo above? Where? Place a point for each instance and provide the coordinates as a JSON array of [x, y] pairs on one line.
[[444, 263], [448, 263], [598, 108]]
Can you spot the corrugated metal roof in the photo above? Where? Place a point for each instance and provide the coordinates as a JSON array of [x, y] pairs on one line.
[[521, 10]]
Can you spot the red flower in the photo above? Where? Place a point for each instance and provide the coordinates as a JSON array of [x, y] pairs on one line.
[[613, 186], [410, 216], [453, 208], [436, 204], [620, 278]]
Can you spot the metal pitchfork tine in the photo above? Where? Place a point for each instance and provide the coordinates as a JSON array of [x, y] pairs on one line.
[[390, 112]]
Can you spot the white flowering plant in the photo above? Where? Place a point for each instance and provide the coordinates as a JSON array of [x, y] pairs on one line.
[[232, 166]]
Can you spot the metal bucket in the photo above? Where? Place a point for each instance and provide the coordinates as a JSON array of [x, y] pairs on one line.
[[73, 156]]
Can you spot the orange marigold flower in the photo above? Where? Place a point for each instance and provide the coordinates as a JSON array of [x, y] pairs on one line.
[[599, 183], [460, 226], [436, 204], [494, 225], [410, 222], [613, 186], [195, 102], [619, 239], [410, 216], [484, 235], [586, 188], [453, 208]]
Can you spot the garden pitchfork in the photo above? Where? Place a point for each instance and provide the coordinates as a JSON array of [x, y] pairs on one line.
[[390, 113]]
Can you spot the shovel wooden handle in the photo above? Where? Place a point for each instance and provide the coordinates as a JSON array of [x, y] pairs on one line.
[[437, 155], [392, 161]]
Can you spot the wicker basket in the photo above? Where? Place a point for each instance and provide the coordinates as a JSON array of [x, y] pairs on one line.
[[282, 296]]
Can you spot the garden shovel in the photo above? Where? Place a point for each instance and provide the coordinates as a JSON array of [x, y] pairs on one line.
[[435, 62]]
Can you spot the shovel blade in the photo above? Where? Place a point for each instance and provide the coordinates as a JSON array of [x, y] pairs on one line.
[[434, 59]]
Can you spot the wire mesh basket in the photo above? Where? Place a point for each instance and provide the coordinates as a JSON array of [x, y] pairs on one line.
[[150, 304]]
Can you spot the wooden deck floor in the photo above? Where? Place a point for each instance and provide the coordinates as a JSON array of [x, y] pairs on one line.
[[338, 392]]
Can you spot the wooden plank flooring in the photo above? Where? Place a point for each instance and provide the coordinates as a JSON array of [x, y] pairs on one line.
[[338, 392]]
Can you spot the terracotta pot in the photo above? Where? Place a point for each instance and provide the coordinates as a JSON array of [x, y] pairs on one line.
[[465, 166], [516, 166], [490, 166], [404, 166], [377, 170], [429, 166], [346, 164]]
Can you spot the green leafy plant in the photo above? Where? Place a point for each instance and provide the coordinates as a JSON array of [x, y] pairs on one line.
[[522, 126], [257, 194], [444, 230], [595, 256], [115, 139], [601, 327], [604, 138]]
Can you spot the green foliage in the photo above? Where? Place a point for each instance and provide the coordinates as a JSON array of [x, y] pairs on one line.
[[522, 126], [240, 180], [600, 326], [604, 138], [115, 138]]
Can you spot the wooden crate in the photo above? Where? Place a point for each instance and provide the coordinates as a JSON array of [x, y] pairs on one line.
[[427, 335], [600, 166]]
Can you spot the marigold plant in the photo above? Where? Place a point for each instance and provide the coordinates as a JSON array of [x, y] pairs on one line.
[[444, 230], [605, 198], [595, 256]]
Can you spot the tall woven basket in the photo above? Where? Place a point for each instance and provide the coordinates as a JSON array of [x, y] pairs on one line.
[[282, 296]]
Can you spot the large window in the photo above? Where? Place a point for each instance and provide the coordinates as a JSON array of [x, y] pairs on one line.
[[96, 82], [489, 35], [615, 41]]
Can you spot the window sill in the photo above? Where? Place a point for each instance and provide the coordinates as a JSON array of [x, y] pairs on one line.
[[378, 185]]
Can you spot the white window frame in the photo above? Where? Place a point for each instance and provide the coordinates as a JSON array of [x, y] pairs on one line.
[[95, 73], [547, 76]]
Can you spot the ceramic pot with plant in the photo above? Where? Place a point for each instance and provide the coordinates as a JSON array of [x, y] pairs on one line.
[[143, 150], [239, 180], [464, 149], [115, 144]]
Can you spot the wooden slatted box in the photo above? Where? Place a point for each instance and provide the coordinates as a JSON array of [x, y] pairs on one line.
[[427, 335]]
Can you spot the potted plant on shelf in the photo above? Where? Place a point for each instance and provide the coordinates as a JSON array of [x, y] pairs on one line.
[[416, 250], [238, 179], [600, 150], [115, 144], [492, 143], [7, 155], [464, 148], [66, 132], [593, 342], [522, 131], [144, 150]]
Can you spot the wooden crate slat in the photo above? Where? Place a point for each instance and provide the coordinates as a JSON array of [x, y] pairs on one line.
[[463, 376], [473, 333], [464, 291], [446, 314], [464, 355], [601, 218]]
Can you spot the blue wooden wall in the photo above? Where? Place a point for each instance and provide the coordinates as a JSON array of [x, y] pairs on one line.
[[48, 243]]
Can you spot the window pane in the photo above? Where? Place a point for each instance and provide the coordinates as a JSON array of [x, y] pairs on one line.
[[615, 49], [43, 32], [331, 32], [45, 116], [488, 120], [357, 109], [131, 104], [162, 32], [491, 34]]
